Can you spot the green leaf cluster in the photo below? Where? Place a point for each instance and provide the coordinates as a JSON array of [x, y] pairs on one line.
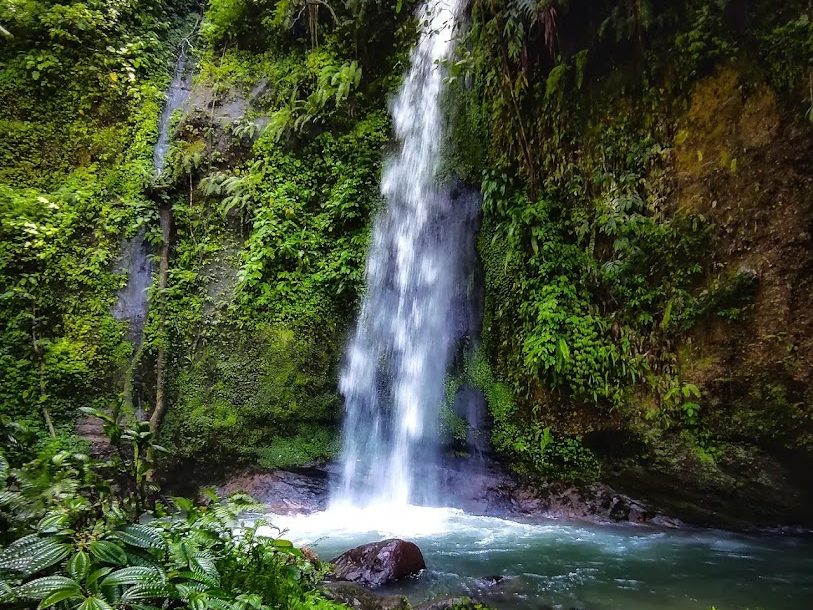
[[83, 552]]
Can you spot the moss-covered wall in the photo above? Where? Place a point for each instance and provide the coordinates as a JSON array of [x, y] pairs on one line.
[[81, 87], [262, 396], [645, 168], [273, 181]]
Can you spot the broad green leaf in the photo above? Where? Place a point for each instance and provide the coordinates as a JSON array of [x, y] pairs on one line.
[[204, 563], [35, 557], [149, 591], [22, 543], [108, 552], [184, 504], [52, 523], [132, 575], [201, 577], [6, 593], [218, 604], [140, 536], [282, 543], [59, 596], [78, 565], [95, 603], [40, 588], [97, 574]]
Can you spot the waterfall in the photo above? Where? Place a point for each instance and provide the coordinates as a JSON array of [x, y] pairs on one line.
[[396, 360], [177, 94], [132, 300], [131, 305]]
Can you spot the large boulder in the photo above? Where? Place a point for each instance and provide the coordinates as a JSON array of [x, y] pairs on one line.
[[378, 563]]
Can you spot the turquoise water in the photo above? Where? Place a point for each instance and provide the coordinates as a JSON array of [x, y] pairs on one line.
[[569, 565]]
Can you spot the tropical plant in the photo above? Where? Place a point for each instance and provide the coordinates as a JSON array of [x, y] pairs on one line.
[[88, 545]]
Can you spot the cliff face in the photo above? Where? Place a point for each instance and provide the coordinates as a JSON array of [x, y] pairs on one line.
[[647, 179], [744, 161], [646, 245]]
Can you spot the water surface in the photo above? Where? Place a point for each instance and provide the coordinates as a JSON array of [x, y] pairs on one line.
[[568, 565]]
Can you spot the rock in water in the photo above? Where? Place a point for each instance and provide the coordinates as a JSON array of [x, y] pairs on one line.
[[360, 598], [378, 563], [448, 603]]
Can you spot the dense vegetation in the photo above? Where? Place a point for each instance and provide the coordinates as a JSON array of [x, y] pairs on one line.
[[619, 147], [93, 535], [643, 166]]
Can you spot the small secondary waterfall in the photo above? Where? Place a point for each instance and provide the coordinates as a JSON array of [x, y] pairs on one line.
[[131, 304], [396, 360], [177, 94]]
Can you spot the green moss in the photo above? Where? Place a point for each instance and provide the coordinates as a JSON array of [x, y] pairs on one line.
[[310, 444], [248, 392], [79, 120], [531, 449]]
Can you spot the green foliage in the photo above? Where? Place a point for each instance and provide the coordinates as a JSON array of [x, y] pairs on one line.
[[79, 99], [594, 277], [453, 428], [225, 20], [597, 274], [79, 547], [268, 395], [786, 49], [554, 280], [271, 205], [310, 444], [531, 449], [705, 42]]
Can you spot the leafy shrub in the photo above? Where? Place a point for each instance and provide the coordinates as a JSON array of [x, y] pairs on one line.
[[309, 444], [255, 394], [87, 544], [531, 449]]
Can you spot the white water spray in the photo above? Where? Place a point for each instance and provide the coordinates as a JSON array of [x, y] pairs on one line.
[[393, 378]]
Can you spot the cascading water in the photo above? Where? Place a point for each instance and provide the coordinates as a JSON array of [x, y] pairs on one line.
[[132, 300], [396, 361], [421, 299], [131, 305], [177, 94]]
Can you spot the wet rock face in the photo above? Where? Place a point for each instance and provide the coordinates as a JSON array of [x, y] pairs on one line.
[[475, 487], [360, 598], [284, 492], [487, 490], [378, 563]]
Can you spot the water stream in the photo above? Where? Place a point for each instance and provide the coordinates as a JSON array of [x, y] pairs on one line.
[[556, 564], [131, 305], [396, 361]]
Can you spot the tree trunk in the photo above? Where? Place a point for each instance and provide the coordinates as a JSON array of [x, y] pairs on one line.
[[40, 356], [161, 361]]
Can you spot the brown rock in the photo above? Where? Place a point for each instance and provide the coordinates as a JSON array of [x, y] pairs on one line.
[[378, 563], [360, 598]]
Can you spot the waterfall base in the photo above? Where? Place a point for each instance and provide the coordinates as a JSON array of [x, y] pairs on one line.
[[559, 564], [477, 489]]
